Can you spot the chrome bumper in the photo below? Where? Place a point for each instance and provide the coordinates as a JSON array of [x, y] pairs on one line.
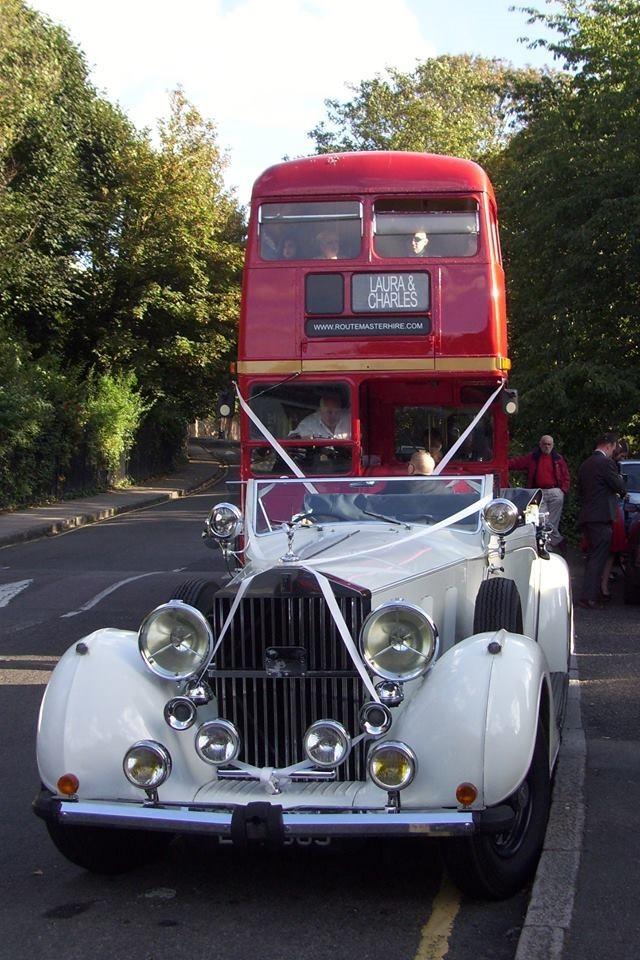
[[260, 821]]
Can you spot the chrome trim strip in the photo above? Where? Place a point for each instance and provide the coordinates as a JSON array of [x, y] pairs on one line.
[[183, 819]]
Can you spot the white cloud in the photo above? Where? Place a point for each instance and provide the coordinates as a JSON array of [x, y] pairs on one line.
[[260, 68]]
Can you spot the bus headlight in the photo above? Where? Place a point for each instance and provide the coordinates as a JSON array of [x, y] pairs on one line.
[[218, 742], [392, 765], [147, 764], [327, 743], [175, 640], [399, 641], [501, 516], [224, 522]]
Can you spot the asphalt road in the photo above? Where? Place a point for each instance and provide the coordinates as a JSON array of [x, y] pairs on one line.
[[384, 901]]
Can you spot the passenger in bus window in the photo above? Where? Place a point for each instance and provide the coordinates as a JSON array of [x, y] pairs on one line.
[[331, 421], [328, 244], [418, 244], [289, 248], [432, 441]]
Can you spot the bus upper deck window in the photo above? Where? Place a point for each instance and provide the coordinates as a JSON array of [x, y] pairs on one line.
[[327, 230], [418, 227]]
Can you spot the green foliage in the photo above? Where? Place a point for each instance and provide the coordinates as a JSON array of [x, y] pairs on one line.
[[113, 410], [120, 263], [569, 185], [460, 105]]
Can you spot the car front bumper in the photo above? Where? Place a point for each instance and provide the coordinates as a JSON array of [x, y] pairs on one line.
[[268, 821]]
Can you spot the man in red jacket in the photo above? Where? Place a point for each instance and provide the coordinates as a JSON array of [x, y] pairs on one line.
[[547, 469]]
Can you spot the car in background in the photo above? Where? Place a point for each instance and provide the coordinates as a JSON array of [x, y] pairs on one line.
[[631, 470]]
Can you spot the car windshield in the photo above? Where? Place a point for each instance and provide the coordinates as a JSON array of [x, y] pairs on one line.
[[631, 470], [395, 500]]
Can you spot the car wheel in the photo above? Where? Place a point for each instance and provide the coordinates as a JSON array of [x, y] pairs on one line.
[[107, 850], [498, 607], [197, 593], [496, 866]]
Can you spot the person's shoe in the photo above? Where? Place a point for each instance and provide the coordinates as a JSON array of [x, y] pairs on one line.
[[587, 604]]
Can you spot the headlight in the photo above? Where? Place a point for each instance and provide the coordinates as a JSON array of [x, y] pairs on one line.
[[375, 718], [399, 641], [224, 522], [175, 640], [327, 743], [218, 742], [501, 516], [392, 765], [147, 764]]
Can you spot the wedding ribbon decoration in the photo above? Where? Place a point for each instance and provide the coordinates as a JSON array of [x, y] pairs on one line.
[[474, 423]]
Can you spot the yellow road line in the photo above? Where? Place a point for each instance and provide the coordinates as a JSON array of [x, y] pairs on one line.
[[434, 939]]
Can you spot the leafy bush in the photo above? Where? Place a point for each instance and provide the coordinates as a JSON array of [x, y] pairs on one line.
[[113, 410]]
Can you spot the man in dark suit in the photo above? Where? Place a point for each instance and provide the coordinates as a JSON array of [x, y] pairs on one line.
[[599, 486]]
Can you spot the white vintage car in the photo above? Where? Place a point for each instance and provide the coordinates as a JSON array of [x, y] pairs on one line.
[[391, 659]]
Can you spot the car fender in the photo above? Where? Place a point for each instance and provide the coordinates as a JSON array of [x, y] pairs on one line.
[[100, 700], [473, 720], [555, 620]]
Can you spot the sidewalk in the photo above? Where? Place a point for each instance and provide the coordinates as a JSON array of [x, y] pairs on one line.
[[207, 462]]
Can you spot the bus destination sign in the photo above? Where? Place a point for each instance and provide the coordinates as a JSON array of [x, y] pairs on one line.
[[390, 292]]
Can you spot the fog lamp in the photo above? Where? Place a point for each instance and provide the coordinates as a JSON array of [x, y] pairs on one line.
[[399, 641], [217, 742], [175, 640], [147, 764], [327, 743], [68, 785], [501, 516], [392, 765], [180, 713]]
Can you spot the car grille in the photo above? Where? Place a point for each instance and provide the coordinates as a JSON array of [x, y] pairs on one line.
[[273, 713]]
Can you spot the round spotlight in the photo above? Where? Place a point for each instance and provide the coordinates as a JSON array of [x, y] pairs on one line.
[[224, 522], [327, 743], [180, 713], [217, 742], [175, 640], [399, 641], [390, 692], [147, 764], [392, 765], [501, 516], [375, 719]]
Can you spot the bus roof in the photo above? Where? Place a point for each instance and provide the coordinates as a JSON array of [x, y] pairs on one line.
[[372, 172]]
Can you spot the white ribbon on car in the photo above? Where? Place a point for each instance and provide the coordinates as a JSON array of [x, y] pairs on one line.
[[474, 423]]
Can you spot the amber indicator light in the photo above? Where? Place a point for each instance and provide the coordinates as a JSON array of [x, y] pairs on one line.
[[68, 784], [466, 794]]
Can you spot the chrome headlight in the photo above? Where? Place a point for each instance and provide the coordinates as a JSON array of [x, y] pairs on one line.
[[392, 765], [175, 640], [327, 743], [399, 641], [147, 764], [375, 718], [224, 522], [218, 742], [501, 516]]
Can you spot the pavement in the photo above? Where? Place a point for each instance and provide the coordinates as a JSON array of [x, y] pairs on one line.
[[207, 463], [597, 787]]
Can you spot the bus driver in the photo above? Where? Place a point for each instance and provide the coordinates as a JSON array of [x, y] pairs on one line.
[[329, 422]]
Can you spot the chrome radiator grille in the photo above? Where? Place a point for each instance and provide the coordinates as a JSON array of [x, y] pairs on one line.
[[273, 713]]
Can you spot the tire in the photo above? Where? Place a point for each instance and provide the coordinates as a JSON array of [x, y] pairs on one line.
[[496, 866], [498, 607], [107, 850], [197, 593]]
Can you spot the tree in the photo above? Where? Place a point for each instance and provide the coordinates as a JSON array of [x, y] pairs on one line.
[[569, 186], [460, 105]]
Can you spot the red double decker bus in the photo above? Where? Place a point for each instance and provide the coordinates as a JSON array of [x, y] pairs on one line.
[[373, 318]]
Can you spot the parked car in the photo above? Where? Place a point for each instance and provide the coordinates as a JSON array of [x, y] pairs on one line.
[[390, 659], [631, 470]]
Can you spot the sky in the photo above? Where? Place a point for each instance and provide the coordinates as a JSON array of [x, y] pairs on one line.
[[261, 69]]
